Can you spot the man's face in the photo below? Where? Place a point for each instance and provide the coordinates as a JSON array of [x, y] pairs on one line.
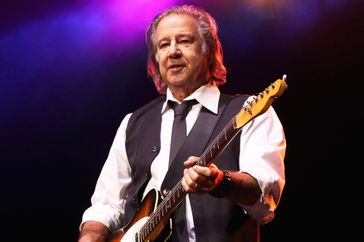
[[182, 61]]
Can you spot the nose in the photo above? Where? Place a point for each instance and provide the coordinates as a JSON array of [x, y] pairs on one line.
[[174, 51]]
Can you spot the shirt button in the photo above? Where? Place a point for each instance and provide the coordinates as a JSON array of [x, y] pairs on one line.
[[155, 149]]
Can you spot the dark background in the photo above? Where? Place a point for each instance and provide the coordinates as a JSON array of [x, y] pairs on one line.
[[67, 82]]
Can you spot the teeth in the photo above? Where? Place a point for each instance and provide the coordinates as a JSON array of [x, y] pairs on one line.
[[176, 67]]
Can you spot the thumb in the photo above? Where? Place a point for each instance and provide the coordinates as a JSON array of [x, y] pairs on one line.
[[217, 176]]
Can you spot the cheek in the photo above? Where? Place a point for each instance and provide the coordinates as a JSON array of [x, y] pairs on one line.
[[160, 59]]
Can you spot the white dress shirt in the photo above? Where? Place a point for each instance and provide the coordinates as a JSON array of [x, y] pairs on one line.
[[262, 151]]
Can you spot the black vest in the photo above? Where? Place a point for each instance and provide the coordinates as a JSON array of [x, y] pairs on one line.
[[214, 219]]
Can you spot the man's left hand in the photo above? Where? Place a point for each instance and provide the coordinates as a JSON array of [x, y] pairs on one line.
[[200, 179]]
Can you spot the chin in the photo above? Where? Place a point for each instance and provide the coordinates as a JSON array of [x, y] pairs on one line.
[[177, 82]]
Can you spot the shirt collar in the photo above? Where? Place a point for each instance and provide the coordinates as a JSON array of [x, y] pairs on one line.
[[207, 95]]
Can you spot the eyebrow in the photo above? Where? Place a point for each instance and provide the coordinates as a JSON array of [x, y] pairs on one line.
[[192, 36], [189, 35]]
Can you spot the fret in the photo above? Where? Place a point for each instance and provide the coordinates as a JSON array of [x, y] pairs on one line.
[[137, 237], [168, 206], [213, 147], [152, 223], [150, 228], [202, 161]]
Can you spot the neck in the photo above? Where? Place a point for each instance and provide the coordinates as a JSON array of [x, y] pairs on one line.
[[181, 94]]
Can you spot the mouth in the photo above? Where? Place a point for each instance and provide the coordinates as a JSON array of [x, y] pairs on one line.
[[176, 68]]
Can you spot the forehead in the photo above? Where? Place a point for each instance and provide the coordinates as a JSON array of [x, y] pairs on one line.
[[176, 24]]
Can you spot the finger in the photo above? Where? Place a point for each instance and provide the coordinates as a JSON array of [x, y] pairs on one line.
[[195, 183], [190, 178], [186, 180], [214, 170], [191, 161], [189, 185], [202, 171]]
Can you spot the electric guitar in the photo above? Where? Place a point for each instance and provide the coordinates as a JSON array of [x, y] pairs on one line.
[[154, 212]]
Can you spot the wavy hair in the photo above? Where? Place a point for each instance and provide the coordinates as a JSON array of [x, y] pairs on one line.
[[208, 32]]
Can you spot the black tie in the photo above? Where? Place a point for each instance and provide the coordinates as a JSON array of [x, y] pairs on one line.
[[179, 125], [179, 132]]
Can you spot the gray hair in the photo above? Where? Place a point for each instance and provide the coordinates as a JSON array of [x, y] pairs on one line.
[[208, 32]]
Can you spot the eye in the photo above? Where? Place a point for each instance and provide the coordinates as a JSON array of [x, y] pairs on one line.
[[163, 45], [185, 41]]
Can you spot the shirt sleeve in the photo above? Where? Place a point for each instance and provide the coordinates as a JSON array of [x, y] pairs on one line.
[[108, 199], [262, 152]]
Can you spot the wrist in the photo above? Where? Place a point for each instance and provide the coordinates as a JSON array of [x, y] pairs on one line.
[[224, 187]]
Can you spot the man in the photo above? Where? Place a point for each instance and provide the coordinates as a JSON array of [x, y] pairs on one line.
[[227, 199]]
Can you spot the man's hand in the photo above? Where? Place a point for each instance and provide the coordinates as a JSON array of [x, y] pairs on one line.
[[200, 179], [93, 231]]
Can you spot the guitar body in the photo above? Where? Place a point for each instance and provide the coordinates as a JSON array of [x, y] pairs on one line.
[[131, 230]]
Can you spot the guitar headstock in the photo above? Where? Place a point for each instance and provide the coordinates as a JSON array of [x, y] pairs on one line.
[[261, 102]]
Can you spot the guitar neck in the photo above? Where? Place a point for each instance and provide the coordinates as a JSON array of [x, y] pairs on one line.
[[219, 144]]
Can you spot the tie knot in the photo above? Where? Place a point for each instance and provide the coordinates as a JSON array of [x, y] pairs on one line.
[[182, 108]]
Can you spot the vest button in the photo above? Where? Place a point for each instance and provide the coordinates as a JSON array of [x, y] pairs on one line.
[[165, 192], [155, 149]]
